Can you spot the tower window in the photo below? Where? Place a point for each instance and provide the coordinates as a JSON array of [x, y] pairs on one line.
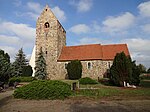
[[46, 25], [89, 65], [46, 9], [45, 52]]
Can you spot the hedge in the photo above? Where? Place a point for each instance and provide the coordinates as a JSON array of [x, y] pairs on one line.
[[44, 89], [87, 80]]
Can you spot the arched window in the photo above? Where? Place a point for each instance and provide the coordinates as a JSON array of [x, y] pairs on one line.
[[46, 25], [89, 65]]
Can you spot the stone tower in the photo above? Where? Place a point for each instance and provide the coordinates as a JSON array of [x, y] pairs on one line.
[[51, 37]]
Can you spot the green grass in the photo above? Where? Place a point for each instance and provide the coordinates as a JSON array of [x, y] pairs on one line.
[[145, 83]]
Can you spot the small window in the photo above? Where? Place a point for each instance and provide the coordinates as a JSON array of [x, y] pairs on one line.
[[46, 9], [89, 65], [45, 52], [46, 25]]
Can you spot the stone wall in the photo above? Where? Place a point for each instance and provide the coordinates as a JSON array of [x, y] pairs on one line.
[[98, 68]]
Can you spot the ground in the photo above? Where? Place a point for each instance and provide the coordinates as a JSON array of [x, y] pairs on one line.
[[73, 104]]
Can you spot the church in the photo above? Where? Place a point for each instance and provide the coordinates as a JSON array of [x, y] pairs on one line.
[[96, 59]]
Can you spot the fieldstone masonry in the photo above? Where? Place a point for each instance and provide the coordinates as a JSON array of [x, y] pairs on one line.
[[51, 37]]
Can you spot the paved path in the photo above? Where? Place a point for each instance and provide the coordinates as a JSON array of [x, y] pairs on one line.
[[5, 94]]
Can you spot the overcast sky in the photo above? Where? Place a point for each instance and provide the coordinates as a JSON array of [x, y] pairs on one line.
[[86, 22]]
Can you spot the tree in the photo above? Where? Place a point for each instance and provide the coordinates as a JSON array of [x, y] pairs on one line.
[[74, 70], [121, 70], [142, 68], [40, 66], [148, 71], [20, 62], [5, 70], [27, 71], [135, 74]]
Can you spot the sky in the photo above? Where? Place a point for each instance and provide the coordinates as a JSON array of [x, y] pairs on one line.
[[85, 21]]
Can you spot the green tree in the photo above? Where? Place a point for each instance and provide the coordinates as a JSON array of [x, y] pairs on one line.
[[19, 63], [142, 68], [148, 71], [5, 70], [121, 70], [40, 66], [27, 71], [135, 74], [74, 70]]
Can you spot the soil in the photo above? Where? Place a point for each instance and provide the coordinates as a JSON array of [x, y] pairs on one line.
[[78, 104]]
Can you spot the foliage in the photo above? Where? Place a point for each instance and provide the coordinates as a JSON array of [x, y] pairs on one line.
[[20, 62], [142, 68], [21, 79], [145, 76], [121, 70], [74, 70], [105, 81], [145, 83], [135, 74], [87, 80], [5, 66], [27, 71], [43, 89], [148, 71], [40, 66]]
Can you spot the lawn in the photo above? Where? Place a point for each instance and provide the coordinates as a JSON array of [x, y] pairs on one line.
[[101, 91]]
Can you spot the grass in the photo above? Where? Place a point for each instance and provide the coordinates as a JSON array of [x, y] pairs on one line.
[[103, 91]]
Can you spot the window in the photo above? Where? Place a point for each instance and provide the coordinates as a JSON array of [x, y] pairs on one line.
[[46, 25], [89, 65], [46, 9], [45, 52]]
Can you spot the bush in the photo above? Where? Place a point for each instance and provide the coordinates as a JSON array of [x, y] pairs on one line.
[[105, 81], [87, 80], [27, 71], [74, 70], [20, 79], [44, 90]]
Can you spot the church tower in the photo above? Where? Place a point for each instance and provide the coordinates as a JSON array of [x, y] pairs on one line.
[[51, 37]]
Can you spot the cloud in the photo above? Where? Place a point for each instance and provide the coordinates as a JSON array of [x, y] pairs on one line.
[[34, 10], [144, 9], [89, 40], [10, 40], [10, 50], [13, 36], [119, 23], [21, 30], [60, 14], [139, 49], [146, 28], [79, 28], [82, 5], [35, 7]]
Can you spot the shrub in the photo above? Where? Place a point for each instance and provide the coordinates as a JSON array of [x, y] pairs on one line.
[[20, 79], [105, 81], [87, 80], [43, 89], [27, 71], [74, 70]]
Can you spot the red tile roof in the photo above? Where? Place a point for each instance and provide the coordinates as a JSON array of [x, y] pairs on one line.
[[92, 52]]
